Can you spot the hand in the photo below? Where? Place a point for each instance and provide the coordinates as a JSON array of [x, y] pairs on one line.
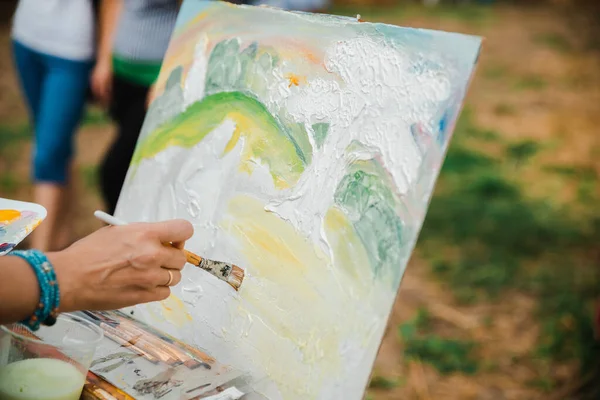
[[101, 81], [120, 266]]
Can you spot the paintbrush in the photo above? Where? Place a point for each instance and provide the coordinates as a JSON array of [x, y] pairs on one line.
[[232, 274]]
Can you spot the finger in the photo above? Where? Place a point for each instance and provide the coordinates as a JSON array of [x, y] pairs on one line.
[[173, 231], [149, 279], [105, 94], [128, 296], [96, 89], [158, 293], [108, 90], [171, 277], [172, 258]]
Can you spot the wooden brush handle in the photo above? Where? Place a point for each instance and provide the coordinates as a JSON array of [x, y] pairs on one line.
[[192, 258]]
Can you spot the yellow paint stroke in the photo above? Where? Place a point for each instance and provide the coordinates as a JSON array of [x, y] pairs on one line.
[[256, 141], [9, 216], [29, 228], [174, 311], [349, 252], [287, 287]]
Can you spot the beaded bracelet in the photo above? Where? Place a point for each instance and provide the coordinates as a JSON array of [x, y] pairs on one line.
[[47, 309]]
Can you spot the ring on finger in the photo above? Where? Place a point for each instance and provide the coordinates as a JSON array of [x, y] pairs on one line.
[[170, 278]]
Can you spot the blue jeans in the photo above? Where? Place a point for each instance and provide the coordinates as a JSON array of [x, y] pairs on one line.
[[55, 90]]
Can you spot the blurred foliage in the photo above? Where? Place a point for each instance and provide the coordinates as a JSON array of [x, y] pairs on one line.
[[89, 176], [11, 137], [484, 235], [95, 116], [384, 383], [446, 355], [469, 13]]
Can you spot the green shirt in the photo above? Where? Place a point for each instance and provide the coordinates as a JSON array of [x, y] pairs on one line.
[[142, 73]]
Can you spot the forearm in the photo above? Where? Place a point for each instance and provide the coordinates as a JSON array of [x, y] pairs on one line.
[[110, 10], [19, 290]]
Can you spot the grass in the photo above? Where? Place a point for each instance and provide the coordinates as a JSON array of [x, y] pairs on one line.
[[495, 72], [446, 355], [531, 82], [473, 15], [585, 178], [483, 236], [504, 109], [89, 176], [8, 184], [95, 116], [522, 151], [383, 383], [11, 135], [554, 41]]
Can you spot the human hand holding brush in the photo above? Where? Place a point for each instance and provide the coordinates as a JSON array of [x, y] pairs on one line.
[[125, 265], [112, 268], [229, 273]]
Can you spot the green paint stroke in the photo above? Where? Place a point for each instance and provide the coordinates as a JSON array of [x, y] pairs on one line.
[[365, 195], [232, 68], [321, 130], [224, 66], [271, 142]]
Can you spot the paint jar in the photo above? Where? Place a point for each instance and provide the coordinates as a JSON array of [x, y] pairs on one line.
[[50, 364]]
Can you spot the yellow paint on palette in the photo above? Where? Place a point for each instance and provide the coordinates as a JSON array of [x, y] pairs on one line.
[[8, 216], [29, 228]]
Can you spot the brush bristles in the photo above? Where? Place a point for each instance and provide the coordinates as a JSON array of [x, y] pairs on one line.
[[236, 277]]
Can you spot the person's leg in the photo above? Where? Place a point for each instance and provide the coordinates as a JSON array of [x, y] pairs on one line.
[[128, 110], [30, 72], [62, 101]]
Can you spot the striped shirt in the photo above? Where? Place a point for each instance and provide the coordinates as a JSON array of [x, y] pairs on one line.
[[144, 29]]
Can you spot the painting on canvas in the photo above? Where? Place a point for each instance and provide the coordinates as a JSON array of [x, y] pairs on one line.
[[303, 148], [17, 220]]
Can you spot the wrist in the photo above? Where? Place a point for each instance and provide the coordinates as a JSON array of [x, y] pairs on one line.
[[49, 291], [104, 60], [67, 290]]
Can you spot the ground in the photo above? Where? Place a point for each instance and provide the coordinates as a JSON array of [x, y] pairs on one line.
[[497, 301]]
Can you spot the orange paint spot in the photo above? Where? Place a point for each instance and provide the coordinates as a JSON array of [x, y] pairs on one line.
[[294, 79], [312, 58], [8, 216]]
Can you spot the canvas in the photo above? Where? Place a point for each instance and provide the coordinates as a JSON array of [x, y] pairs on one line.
[[303, 148]]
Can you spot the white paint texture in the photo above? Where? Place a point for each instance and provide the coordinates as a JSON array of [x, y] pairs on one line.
[[312, 310], [194, 84]]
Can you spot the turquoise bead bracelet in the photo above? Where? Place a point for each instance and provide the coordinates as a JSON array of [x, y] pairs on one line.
[[47, 309]]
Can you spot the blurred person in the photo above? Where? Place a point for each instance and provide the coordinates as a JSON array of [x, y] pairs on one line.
[[134, 36], [53, 48]]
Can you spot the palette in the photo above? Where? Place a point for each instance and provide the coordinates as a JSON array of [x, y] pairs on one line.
[[136, 361], [17, 220]]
